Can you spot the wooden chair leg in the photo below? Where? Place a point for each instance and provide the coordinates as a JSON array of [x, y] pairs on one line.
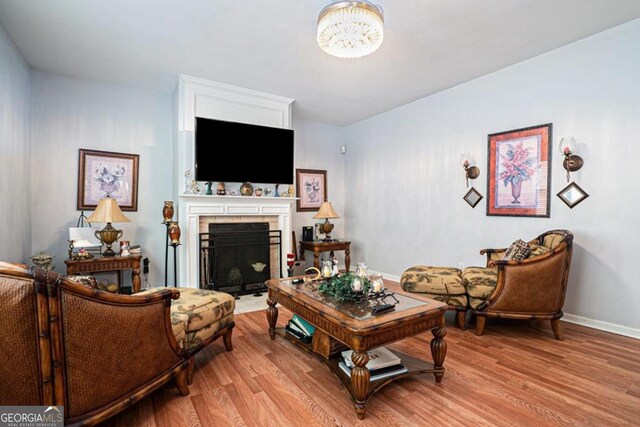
[[190, 369], [227, 339], [555, 326], [181, 382], [480, 325], [461, 317]]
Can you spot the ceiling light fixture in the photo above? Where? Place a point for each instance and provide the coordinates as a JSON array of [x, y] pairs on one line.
[[350, 29]]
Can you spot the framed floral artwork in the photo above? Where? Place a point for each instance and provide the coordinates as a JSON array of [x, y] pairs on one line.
[[312, 189], [519, 175], [102, 174]]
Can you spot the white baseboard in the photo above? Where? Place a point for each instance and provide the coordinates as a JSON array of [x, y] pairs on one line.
[[603, 326], [571, 318]]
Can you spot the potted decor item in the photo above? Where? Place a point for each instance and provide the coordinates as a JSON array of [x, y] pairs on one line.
[[246, 189]]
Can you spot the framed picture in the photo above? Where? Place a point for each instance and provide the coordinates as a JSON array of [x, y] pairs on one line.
[[472, 197], [312, 189], [102, 174], [519, 176], [572, 194]]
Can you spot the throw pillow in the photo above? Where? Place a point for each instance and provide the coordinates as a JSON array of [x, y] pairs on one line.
[[518, 251]]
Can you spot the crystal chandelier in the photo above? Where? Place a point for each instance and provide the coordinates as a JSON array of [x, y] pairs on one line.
[[350, 29]]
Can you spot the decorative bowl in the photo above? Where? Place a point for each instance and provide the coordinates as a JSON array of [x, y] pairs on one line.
[[259, 266]]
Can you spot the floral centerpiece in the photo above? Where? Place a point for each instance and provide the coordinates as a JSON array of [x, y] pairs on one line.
[[517, 167], [339, 287]]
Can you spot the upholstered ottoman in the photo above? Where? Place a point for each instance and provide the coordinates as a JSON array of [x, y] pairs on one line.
[[480, 283], [199, 317], [441, 284]]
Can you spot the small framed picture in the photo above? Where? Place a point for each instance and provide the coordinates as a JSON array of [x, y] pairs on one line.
[[312, 189], [102, 174], [572, 194], [519, 175], [472, 197]]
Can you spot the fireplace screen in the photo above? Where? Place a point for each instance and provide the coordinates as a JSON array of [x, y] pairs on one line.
[[239, 257]]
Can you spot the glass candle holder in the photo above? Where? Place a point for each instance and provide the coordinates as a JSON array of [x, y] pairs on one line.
[[356, 284], [377, 283]]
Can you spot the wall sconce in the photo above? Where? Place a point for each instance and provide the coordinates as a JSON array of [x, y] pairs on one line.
[[468, 163], [571, 161]]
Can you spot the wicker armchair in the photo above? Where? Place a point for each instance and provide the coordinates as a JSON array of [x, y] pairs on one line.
[[533, 288], [94, 353]]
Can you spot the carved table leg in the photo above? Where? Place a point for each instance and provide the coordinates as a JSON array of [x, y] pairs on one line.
[[272, 317], [438, 351], [135, 278], [360, 382], [347, 259], [316, 259]]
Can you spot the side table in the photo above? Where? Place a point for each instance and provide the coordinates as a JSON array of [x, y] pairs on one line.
[[318, 246], [104, 264]]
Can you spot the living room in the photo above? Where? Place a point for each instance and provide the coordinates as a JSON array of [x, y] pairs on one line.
[[388, 131]]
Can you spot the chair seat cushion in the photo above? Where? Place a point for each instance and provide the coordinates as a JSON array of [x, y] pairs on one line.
[[195, 338], [439, 283], [480, 282]]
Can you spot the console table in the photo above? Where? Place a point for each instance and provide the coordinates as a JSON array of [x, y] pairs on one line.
[[105, 264], [318, 246]]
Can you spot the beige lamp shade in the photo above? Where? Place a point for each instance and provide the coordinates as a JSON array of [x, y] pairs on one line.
[[108, 211], [326, 211]]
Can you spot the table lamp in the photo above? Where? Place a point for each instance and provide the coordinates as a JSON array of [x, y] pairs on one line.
[[325, 212], [108, 211]]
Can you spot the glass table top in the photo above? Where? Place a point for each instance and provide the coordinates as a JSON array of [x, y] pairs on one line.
[[357, 310]]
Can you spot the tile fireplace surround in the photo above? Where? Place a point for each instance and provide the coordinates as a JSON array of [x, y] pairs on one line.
[[196, 211]]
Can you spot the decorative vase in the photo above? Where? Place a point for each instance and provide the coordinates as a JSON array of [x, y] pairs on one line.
[[246, 189], [221, 191], [515, 191], [167, 211], [258, 192], [174, 233]]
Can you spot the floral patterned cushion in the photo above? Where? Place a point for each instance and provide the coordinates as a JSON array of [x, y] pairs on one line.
[[195, 338], [86, 280], [552, 240], [439, 283], [480, 282], [536, 250], [199, 309]]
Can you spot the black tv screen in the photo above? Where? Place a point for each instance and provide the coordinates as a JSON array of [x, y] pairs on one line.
[[240, 152]]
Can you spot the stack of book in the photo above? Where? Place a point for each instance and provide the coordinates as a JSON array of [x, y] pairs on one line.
[[382, 364], [300, 329]]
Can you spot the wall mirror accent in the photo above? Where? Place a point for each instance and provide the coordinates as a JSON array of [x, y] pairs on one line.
[[472, 197], [572, 194]]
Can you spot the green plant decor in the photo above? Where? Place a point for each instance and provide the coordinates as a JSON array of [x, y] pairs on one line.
[[339, 287]]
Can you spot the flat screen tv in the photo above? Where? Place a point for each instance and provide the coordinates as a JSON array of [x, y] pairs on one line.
[[240, 152]]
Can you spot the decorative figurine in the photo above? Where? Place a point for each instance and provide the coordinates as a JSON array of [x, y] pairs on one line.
[[209, 191], [267, 192], [167, 211], [291, 192], [221, 191], [276, 194], [195, 187]]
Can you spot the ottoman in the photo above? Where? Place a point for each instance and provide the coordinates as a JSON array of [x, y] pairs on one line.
[[199, 317], [441, 284]]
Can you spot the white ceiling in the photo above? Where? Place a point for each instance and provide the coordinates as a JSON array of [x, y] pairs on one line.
[[269, 45]]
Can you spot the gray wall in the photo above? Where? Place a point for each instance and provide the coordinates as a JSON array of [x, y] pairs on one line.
[[404, 183], [69, 114], [318, 147], [15, 153]]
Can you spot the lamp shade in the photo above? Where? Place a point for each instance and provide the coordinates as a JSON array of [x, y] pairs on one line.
[[326, 211], [108, 211]]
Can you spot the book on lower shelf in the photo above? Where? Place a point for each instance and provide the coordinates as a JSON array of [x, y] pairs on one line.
[[378, 374], [379, 358], [295, 332], [306, 327]]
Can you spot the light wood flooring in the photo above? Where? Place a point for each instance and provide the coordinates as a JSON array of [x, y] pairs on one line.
[[514, 375]]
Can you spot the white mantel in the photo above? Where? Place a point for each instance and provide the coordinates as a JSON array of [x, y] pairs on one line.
[[193, 207]]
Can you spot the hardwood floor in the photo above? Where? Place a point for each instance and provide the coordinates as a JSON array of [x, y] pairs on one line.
[[515, 374]]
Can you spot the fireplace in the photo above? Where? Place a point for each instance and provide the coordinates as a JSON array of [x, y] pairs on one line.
[[237, 257]]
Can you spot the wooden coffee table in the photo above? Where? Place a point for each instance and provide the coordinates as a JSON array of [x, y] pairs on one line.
[[340, 326]]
